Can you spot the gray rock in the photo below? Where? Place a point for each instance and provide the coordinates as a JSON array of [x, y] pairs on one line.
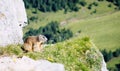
[[12, 19], [28, 64]]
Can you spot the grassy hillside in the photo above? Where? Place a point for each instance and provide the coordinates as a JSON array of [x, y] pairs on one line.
[[93, 25], [112, 62], [83, 13], [104, 30], [77, 54]]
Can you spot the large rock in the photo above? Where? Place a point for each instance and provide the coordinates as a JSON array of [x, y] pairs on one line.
[[103, 67], [27, 64], [12, 19]]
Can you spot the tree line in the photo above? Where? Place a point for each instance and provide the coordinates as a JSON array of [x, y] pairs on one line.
[[115, 2], [109, 55], [52, 31], [54, 5]]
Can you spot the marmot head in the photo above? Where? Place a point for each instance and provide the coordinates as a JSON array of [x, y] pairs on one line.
[[42, 38]]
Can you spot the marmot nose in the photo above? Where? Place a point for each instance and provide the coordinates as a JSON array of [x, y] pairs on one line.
[[46, 39]]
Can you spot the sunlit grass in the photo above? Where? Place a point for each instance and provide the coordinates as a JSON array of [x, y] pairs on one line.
[[104, 31], [45, 18], [113, 62], [77, 54]]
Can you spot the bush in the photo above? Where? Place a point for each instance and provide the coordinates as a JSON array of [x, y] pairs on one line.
[[115, 2], [100, 0], [112, 69], [109, 55], [118, 67], [95, 3], [109, 5], [105, 55], [33, 18], [83, 3], [116, 53], [90, 6]]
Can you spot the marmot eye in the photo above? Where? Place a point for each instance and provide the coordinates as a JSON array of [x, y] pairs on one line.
[[43, 36]]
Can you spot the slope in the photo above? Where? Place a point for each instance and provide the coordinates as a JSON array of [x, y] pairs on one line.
[[41, 19], [103, 30], [77, 54]]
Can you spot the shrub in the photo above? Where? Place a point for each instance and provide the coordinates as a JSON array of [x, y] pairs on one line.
[[95, 3], [109, 5], [33, 18], [89, 6], [83, 3], [116, 53], [100, 0]]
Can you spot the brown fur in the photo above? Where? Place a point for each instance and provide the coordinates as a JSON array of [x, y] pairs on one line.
[[34, 43]]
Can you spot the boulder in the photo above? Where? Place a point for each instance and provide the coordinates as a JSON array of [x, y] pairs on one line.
[[28, 64], [12, 19]]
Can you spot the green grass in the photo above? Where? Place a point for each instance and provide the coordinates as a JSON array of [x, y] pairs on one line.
[[45, 18], [11, 49], [104, 30], [112, 62], [77, 54]]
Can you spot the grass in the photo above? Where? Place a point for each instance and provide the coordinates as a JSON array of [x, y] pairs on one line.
[[45, 18], [113, 62], [104, 30], [78, 54], [11, 50]]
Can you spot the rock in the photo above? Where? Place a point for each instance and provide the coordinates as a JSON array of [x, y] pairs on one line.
[[104, 67], [12, 19], [28, 64]]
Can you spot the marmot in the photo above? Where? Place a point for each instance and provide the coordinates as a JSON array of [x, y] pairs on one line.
[[34, 43]]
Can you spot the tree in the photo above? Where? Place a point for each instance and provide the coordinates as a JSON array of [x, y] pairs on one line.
[[110, 55], [116, 53], [52, 32], [26, 3], [104, 52], [54, 5]]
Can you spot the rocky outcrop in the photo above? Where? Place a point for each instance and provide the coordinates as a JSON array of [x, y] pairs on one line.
[[103, 67], [27, 64], [12, 19]]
